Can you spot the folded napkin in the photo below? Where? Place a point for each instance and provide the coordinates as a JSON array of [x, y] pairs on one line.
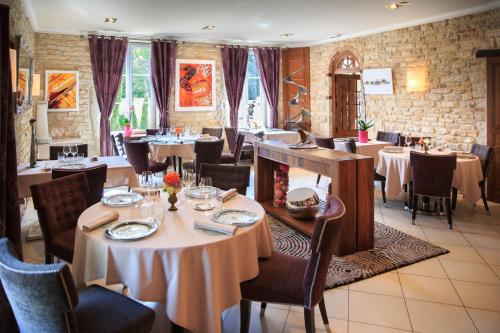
[[101, 220], [217, 227], [227, 195], [143, 191], [204, 135]]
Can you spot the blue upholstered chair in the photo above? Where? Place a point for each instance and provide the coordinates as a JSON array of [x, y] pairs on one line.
[[44, 299]]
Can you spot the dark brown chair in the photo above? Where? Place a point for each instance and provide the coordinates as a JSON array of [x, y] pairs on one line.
[[288, 279], [138, 156], [54, 150], [350, 146], [432, 176], [212, 131], [234, 158], [485, 155], [116, 152], [59, 203], [96, 177], [209, 152], [324, 143], [231, 134], [391, 137], [151, 131], [226, 177]]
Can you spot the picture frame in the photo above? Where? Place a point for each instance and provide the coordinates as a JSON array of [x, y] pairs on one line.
[[377, 81], [62, 90], [195, 85]]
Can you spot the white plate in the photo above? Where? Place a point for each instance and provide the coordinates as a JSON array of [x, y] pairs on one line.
[[131, 230], [198, 192], [203, 206], [303, 146], [236, 217], [121, 199], [72, 166]]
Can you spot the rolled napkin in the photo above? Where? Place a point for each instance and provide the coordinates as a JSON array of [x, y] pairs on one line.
[[101, 220], [217, 227], [227, 195], [143, 191]]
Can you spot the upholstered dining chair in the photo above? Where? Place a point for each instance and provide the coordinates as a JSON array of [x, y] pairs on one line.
[[120, 144], [485, 154], [44, 299], [59, 203], [151, 131], [432, 176], [212, 131], [391, 137], [138, 156], [235, 156], [114, 146], [287, 279], [231, 134], [54, 150], [96, 177], [323, 143], [226, 177]]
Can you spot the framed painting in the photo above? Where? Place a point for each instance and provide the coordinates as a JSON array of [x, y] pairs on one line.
[[62, 90], [194, 85], [377, 81]]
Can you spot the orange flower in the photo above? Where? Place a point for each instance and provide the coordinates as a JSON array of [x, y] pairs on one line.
[[178, 130], [171, 178]]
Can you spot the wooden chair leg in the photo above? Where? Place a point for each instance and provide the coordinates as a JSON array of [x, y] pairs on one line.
[[485, 200], [447, 203], [454, 194], [263, 309], [415, 207], [245, 313], [317, 179], [49, 259], [309, 320], [382, 186], [324, 315]]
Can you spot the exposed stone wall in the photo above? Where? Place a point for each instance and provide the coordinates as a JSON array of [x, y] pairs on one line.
[[454, 103]]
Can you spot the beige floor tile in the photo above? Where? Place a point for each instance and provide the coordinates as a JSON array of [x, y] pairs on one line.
[[491, 256], [461, 253], [383, 284], [378, 310], [430, 289], [430, 267], [478, 295], [485, 321], [476, 228], [295, 324], [445, 236], [279, 306], [477, 240], [432, 222], [273, 320], [355, 327], [438, 318], [336, 302], [34, 251], [470, 271]]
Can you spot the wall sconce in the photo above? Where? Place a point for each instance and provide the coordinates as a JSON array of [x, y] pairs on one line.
[[13, 69], [415, 80], [35, 87]]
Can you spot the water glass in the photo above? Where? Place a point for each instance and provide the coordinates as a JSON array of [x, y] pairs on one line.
[[206, 186], [80, 156], [60, 157], [147, 182]]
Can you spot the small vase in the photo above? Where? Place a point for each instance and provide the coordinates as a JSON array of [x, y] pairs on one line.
[[172, 199], [127, 131], [362, 136]]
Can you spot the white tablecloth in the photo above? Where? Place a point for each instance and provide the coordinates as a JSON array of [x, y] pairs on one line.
[[271, 134], [196, 275], [120, 173], [371, 148], [396, 168], [160, 151]]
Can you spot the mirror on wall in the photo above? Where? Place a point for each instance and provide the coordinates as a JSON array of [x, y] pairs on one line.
[[25, 64]]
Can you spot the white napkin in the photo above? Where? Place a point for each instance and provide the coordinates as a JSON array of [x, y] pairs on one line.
[[101, 220], [227, 195], [218, 227]]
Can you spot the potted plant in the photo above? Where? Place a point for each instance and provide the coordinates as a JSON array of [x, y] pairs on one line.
[[127, 127], [363, 127]]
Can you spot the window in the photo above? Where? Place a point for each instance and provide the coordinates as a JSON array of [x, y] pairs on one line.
[[253, 94], [135, 95]]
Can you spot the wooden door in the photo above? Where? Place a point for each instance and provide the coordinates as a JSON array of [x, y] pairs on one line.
[[345, 105], [493, 126]]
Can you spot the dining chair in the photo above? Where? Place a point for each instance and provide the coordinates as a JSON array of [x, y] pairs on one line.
[[212, 131], [116, 152], [151, 131], [324, 143], [120, 144], [54, 150], [138, 156], [96, 177], [231, 134], [391, 137], [207, 152], [234, 157], [44, 299], [227, 177], [59, 203], [485, 154], [287, 279], [432, 176]]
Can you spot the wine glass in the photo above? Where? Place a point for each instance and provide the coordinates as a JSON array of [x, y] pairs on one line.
[[206, 187], [408, 140], [73, 150], [147, 182], [66, 151]]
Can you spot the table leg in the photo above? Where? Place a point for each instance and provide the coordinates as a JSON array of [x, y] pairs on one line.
[[180, 166]]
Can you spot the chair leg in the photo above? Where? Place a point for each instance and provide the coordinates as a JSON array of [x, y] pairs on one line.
[[415, 207], [263, 309], [245, 313], [485, 200], [454, 194], [49, 259], [382, 186], [447, 203], [317, 179], [309, 320], [324, 316]]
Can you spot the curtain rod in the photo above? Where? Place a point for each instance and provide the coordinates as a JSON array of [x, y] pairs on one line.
[[246, 46]]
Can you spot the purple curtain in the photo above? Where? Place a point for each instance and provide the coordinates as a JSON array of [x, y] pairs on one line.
[[163, 55], [268, 60], [107, 56], [234, 65], [10, 218]]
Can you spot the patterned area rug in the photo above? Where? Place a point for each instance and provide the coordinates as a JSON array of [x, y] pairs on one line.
[[393, 249]]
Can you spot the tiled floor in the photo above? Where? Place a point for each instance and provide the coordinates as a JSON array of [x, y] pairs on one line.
[[457, 292]]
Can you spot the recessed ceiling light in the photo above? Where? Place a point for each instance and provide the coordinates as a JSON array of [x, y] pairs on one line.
[[335, 36], [110, 19], [286, 35], [208, 27], [397, 5]]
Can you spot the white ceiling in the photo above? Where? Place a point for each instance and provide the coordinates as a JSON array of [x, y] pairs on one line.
[[240, 21]]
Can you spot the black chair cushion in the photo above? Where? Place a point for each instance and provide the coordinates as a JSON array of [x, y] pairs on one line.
[[102, 310]]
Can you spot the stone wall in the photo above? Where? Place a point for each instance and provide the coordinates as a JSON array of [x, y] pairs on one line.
[[454, 104]]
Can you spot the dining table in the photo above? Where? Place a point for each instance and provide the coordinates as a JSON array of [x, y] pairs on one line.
[[395, 167], [272, 134], [192, 274], [119, 173], [370, 148]]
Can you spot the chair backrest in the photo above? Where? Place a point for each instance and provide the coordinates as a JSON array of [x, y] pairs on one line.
[[324, 142], [226, 176], [414, 140], [388, 137], [42, 297], [485, 154], [54, 150], [324, 242], [207, 152], [240, 140], [212, 131], [96, 177], [119, 144], [59, 203], [151, 131], [137, 154], [432, 174], [116, 152], [350, 145], [231, 133]]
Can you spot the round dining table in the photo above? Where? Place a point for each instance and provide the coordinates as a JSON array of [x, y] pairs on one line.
[[395, 167], [193, 274]]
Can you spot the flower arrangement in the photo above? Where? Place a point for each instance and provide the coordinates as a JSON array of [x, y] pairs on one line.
[[127, 127], [178, 131], [280, 185], [172, 185], [425, 143]]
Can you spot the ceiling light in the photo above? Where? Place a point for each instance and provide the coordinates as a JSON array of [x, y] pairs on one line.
[[110, 20], [208, 27], [335, 36], [286, 35], [397, 5]]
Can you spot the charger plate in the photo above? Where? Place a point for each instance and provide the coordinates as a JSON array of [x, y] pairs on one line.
[[236, 217], [131, 230], [121, 199]]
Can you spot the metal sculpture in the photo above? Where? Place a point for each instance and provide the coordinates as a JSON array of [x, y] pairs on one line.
[[296, 100]]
